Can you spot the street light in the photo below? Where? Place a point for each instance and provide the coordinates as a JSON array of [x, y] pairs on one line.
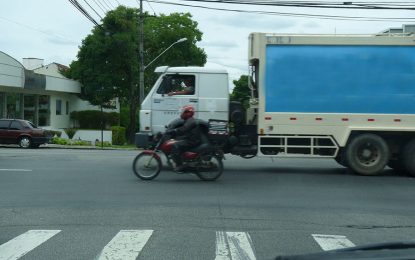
[[174, 43], [142, 67]]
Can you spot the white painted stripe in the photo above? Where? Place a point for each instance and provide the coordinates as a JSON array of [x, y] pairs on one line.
[[127, 244], [15, 170], [331, 242], [222, 250], [21, 245], [234, 245]]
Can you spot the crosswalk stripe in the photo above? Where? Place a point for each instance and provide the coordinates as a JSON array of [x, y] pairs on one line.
[[24, 243], [234, 245], [331, 242], [127, 244]]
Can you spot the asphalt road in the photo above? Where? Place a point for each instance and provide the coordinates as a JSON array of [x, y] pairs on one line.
[[82, 204]]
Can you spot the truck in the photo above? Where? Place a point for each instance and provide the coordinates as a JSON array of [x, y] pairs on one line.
[[346, 97]]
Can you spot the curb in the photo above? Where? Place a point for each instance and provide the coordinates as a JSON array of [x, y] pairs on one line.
[[79, 147]]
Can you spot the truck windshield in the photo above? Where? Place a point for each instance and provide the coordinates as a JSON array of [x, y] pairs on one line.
[[177, 85]]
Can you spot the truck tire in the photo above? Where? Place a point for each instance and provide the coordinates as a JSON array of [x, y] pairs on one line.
[[408, 157], [367, 154]]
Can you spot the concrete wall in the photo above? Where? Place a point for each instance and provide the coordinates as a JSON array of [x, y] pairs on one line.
[[90, 135]]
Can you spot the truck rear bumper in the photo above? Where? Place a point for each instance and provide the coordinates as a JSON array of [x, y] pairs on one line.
[[143, 139]]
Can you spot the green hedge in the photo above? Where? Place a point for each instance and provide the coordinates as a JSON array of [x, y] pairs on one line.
[[118, 135], [53, 133], [61, 141], [106, 144], [70, 132], [91, 119]]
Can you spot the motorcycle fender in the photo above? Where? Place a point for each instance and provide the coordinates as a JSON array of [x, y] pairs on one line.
[[152, 153]]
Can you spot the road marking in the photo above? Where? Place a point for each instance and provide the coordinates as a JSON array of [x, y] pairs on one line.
[[15, 170], [234, 246], [331, 242], [21, 245], [127, 244]]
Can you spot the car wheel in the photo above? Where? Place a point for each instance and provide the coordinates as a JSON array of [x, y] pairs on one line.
[[408, 156], [367, 154], [25, 142]]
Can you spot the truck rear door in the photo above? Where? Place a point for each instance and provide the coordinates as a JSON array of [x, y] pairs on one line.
[[175, 91]]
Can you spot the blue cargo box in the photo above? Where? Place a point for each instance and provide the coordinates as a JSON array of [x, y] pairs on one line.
[[340, 79]]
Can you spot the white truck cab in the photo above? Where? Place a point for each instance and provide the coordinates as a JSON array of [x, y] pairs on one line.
[[206, 89]]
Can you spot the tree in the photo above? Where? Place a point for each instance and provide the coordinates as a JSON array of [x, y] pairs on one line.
[[107, 64], [241, 91]]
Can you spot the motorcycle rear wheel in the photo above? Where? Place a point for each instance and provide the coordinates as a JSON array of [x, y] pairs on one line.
[[210, 169], [146, 166]]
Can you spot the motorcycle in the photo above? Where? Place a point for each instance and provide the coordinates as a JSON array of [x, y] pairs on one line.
[[204, 160]]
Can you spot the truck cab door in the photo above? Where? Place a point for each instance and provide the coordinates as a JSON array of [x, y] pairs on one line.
[[174, 92]]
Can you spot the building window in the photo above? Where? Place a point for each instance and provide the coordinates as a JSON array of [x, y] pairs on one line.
[[13, 105], [44, 110], [67, 107], [58, 107], [29, 110]]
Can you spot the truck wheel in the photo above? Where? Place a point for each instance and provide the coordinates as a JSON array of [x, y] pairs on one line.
[[408, 157], [367, 154]]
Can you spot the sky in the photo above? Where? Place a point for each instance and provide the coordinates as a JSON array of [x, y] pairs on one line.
[[53, 29]]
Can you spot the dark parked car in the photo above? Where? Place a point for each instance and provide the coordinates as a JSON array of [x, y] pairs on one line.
[[22, 132]]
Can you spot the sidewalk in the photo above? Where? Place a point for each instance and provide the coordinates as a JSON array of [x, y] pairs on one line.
[[85, 147]]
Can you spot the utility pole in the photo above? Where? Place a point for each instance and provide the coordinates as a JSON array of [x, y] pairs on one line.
[[141, 52]]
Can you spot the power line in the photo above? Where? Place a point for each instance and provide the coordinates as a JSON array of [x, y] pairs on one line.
[[93, 9], [151, 7], [83, 11], [305, 15], [100, 7], [39, 30], [103, 3], [108, 3], [312, 4]]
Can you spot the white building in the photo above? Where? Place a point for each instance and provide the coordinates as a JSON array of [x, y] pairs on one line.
[[39, 93]]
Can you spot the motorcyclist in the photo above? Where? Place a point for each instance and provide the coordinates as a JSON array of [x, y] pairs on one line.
[[189, 135]]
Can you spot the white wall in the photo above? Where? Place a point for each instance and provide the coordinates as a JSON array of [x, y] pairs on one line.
[[75, 104], [62, 85], [81, 105], [50, 70], [90, 135], [62, 120], [11, 72]]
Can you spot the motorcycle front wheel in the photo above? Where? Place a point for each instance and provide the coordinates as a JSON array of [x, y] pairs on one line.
[[210, 167], [146, 166]]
